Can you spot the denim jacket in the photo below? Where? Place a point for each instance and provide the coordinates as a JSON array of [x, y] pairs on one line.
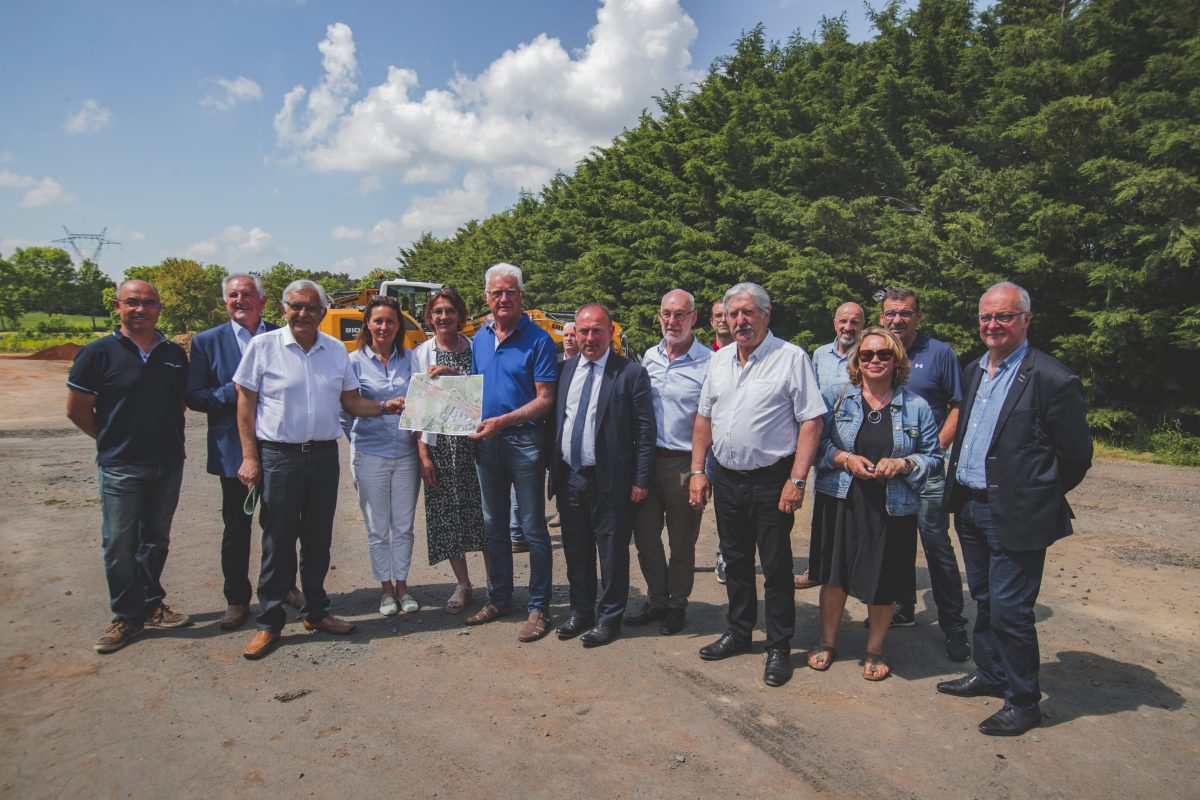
[[914, 434]]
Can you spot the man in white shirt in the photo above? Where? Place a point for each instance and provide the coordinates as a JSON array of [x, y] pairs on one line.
[[677, 366], [761, 412], [291, 384]]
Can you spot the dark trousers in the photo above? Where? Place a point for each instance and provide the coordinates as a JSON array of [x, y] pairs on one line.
[[945, 583], [590, 526], [235, 542], [668, 583], [746, 505], [1005, 585], [299, 498]]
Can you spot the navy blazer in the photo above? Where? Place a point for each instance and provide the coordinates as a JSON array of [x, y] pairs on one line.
[[215, 357], [1041, 449], [626, 430]]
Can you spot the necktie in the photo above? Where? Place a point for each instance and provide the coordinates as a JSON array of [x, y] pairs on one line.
[[580, 419]]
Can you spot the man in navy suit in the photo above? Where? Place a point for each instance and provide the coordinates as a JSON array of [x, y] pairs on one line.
[[1022, 443], [216, 354], [603, 467]]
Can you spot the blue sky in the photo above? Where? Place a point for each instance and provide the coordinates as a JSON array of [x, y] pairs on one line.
[[327, 134]]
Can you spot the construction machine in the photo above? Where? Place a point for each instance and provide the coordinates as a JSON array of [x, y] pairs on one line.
[[345, 316]]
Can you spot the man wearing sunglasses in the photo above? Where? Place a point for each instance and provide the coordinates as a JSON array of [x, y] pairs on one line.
[[126, 392], [934, 376], [216, 354], [291, 385], [1021, 444]]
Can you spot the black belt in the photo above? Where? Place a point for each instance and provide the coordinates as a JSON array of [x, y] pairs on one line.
[[665, 453], [305, 447], [978, 495], [782, 464]]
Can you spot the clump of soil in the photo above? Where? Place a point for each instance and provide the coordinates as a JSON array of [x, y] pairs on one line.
[[60, 352]]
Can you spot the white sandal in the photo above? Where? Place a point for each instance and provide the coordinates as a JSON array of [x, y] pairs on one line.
[[409, 604], [462, 596], [388, 606]]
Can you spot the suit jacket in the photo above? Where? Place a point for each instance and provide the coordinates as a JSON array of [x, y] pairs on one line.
[[1041, 449], [215, 357], [625, 429]]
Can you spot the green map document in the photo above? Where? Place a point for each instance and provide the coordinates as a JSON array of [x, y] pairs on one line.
[[451, 404]]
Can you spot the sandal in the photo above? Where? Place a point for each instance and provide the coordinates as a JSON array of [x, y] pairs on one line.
[[489, 612], [821, 657], [874, 667], [534, 628], [459, 601]]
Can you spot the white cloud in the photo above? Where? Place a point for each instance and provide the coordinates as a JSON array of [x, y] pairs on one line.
[[90, 119], [344, 232], [439, 213], [236, 90], [347, 265], [136, 236], [235, 243], [38, 191], [536, 109], [5, 155], [369, 184], [8, 245]]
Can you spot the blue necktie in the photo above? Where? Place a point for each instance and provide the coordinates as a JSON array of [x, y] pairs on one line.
[[580, 419]]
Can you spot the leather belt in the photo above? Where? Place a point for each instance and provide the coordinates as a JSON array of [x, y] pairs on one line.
[[978, 495], [665, 453], [304, 447], [782, 464]]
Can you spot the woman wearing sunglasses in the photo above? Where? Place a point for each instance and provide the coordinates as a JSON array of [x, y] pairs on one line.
[[878, 446]]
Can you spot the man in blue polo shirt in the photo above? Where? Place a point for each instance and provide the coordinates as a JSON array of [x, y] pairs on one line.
[[517, 361], [126, 392], [935, 375]]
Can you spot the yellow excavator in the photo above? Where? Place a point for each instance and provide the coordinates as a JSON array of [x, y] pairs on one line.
[[345, 317]]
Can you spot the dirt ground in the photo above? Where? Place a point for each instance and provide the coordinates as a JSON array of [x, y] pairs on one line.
[[421, 706]]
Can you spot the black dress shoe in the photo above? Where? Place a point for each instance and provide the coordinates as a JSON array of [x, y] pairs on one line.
[[673, 622], [573, 627], [970, 686], [601, 634], [778, 669], [645, 615], [728, 645], [1011, 721], [957, 647]]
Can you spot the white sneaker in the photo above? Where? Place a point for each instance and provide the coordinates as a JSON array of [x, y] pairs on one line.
[[388, 606]]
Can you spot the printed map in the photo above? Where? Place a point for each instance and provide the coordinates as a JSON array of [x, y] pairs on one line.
[[451, 404]]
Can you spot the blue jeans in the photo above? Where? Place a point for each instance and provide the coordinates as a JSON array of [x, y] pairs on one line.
[[511, 461], [933, 524], [514, 519], [137, 503], [1005, 585]]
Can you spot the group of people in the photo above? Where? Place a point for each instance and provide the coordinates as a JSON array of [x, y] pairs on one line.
[[898, 435]]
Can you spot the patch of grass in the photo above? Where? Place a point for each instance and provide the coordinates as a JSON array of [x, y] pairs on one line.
[[53, 501], [30, 320], [32, 342]]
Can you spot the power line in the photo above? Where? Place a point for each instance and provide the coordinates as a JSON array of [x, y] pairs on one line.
[[74, 238]]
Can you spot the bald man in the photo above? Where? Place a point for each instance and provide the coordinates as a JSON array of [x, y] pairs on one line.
[[830, 360]]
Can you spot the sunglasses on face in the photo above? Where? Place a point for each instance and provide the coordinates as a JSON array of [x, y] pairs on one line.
[[884, 356]]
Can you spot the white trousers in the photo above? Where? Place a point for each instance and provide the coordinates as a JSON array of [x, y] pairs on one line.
[[387, 494]]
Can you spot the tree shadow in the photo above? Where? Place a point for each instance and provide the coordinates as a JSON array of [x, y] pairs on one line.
[[1082, 684]]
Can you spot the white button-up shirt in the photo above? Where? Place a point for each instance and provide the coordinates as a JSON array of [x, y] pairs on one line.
[[243, 334], [574, 395], [675, 391], [756, 409], [299, 393]]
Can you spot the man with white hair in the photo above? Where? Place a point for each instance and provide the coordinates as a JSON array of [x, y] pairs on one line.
[[677, 366], [516, 359], [291, 384], [761, 413], [215, 356]]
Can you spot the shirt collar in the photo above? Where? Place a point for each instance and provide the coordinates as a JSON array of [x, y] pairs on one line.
[[919, 343], [237, 329], [599, 362], [1012, 358], [289, 338], [522, 323], [693, 352]]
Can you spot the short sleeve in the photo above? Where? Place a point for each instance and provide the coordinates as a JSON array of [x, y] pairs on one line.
[[953, 373], [85, 372], [250, 371], [704, 408], [545, 366], [807, 402], [349, 377]]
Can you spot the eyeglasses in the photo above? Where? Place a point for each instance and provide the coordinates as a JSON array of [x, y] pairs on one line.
[[901, 314], [679, 315], [496, 294], [133, 302], [1004, 317], [884, 356], [298, 307]]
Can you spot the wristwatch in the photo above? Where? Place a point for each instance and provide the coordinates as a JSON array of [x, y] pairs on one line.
[[799, 483]]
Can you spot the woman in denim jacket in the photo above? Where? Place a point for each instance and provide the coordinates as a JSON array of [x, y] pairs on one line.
[[878, 447]]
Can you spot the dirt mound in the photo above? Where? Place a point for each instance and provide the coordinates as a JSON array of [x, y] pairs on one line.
[[60, 352]]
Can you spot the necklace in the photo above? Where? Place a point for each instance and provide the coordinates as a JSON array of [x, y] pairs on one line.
[[875, 415]]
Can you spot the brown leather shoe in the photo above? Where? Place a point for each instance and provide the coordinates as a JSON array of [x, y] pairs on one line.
[[295, 599], [260, 645], [803, 581], [330, 624], [233, 617]]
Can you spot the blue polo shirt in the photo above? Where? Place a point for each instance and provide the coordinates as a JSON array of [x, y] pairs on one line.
[[935, 375], [139, 402], [510, 370]]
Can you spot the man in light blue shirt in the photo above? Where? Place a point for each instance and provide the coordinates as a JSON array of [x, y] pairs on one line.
[[830, 360], [989, 398], [677, 366]]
